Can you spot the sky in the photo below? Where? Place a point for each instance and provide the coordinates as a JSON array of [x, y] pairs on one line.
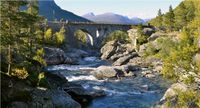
[[132, 8]]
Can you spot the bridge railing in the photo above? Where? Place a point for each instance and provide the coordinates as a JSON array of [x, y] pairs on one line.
[[93, 23]]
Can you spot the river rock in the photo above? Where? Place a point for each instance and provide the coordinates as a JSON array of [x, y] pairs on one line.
[[105, 71], [125, 59], [111, 71], [108, 49], [55, 79], [53, 56], [24, 95], [78, 93], [52, 99], [115, 49], [144, 87], [174, 89]]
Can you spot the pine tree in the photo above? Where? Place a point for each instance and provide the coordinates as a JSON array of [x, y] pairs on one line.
[[169, 19], [180, 16], [18, 34], [160, 19], [190, 11]]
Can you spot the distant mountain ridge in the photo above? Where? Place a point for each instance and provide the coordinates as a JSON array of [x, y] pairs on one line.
[[113, 18], [50, 10]]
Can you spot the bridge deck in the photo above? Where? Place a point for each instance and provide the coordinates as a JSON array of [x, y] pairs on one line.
[[92, 23]]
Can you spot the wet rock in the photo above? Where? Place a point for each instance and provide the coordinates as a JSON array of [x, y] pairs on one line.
[[105, 71], [78, 93], [111, 71], [123, 60], [145, 87], [148, 74]]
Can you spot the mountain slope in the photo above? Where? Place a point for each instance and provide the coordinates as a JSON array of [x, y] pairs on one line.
[[112, 18], [50, 10]]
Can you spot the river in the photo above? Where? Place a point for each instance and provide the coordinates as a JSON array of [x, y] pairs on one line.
[[127, 92]]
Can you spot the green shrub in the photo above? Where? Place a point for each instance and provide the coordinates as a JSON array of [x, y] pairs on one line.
[[60, 36], [142, 39], [20, 73], [117, 35], [39, 56], [81, 36], [188, 99], [150, 51], [48, 34]]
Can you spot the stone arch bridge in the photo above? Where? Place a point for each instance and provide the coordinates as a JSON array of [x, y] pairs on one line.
[[96, 32]]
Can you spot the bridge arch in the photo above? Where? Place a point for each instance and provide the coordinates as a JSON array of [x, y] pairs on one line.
[[84, 37]]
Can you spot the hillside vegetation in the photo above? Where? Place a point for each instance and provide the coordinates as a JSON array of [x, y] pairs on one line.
[[180, 54]]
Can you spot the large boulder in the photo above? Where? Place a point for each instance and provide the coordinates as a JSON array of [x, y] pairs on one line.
[[123, 60], [171, 95], [113, 50], [148, 31], [79, 94], [153, 37], [13, 89], [111, 71], [55, 79], [17, 93], [42, 98], [174, 90], [108, 49], [54, 56]]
